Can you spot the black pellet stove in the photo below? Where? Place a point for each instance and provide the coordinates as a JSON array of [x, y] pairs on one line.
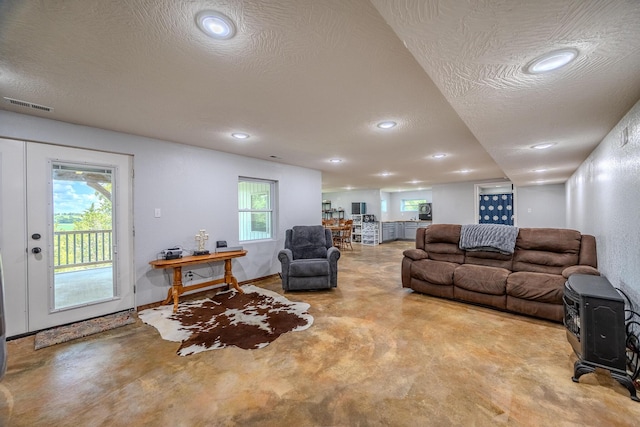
[[594, 321]]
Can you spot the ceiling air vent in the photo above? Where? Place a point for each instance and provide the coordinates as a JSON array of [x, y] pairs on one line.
[[27, 104]]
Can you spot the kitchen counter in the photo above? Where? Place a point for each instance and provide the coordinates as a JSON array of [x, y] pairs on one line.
[[401, 230]]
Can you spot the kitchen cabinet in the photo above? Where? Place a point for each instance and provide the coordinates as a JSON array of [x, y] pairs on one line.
[[388, 231], [401, 230], [410, 229]]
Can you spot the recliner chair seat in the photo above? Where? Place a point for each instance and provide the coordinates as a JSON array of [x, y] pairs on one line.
[[309, 268]]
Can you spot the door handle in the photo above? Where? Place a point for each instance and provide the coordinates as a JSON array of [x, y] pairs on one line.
[[36, 250]]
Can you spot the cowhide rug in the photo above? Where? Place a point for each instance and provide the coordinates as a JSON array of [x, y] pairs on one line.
[[251, 320]]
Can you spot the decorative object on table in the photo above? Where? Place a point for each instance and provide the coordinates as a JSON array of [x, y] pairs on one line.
[[82, 329], [309, 260], [171, 253], [248, 320], [201, 238], [229, 249]]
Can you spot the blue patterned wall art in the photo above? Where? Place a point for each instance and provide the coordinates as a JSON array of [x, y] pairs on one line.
[[496, 209]]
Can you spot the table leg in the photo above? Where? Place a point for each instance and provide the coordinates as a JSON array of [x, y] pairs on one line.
[[177, 286], [228, 276]]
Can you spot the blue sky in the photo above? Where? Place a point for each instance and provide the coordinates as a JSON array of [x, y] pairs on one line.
[[72, 196]]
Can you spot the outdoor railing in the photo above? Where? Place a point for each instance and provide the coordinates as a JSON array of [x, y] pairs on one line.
[[81, 248]]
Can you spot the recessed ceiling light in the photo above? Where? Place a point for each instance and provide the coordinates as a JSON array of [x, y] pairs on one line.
[[385, 174], [539, 170], [215, 25], [439, 156], [551, 61], [543, 146], [240, 135], [386, 125], [335, 160], [464, 170]]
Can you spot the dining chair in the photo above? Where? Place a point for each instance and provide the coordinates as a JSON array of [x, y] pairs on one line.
[[342, 235]]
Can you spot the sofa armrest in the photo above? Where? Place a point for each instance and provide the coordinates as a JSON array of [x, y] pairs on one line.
[[415, 254], [579, 269]]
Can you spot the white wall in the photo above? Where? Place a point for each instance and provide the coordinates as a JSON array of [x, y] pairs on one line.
[[344, 199], [194, 187], [454, 203], [395, 213], [603, 199], [541, 206], [385, 206]]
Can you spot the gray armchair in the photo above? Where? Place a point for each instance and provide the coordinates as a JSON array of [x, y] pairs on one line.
[[309, 259]]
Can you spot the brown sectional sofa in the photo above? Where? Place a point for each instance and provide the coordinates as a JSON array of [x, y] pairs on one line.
[[530, 281]]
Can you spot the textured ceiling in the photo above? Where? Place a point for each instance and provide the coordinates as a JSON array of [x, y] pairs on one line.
[[309, 79]]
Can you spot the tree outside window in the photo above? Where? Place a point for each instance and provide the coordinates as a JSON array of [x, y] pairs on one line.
[[255, 209]]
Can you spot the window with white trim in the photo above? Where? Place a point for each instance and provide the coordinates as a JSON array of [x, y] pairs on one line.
[[411, 205], [256, 209]]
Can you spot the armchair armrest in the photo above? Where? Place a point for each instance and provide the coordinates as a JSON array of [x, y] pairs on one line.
[[285, 256], [333, 255]]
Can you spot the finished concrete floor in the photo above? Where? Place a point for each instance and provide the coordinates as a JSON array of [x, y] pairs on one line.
[[377, 354]]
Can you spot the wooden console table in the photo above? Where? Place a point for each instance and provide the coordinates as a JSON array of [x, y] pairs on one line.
[[178, 288]]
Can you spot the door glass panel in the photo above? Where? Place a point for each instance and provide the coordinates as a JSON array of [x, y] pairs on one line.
[[83, 222]]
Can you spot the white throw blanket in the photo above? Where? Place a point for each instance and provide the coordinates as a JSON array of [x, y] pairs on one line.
[[488, 237]]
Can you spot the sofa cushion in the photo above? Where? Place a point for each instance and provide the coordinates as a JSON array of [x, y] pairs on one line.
[[445, 252], [443, 233], [435, 272], [441, 243], [546, 250], [490, 259], [541, 287], [478, 278]]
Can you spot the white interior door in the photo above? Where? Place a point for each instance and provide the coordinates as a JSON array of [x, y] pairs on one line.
[[77, 235]]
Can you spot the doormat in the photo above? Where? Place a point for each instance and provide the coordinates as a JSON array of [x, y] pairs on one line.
[[82, 329], [249, 321]]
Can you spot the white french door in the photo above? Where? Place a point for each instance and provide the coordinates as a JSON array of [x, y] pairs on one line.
[[77, 252]]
